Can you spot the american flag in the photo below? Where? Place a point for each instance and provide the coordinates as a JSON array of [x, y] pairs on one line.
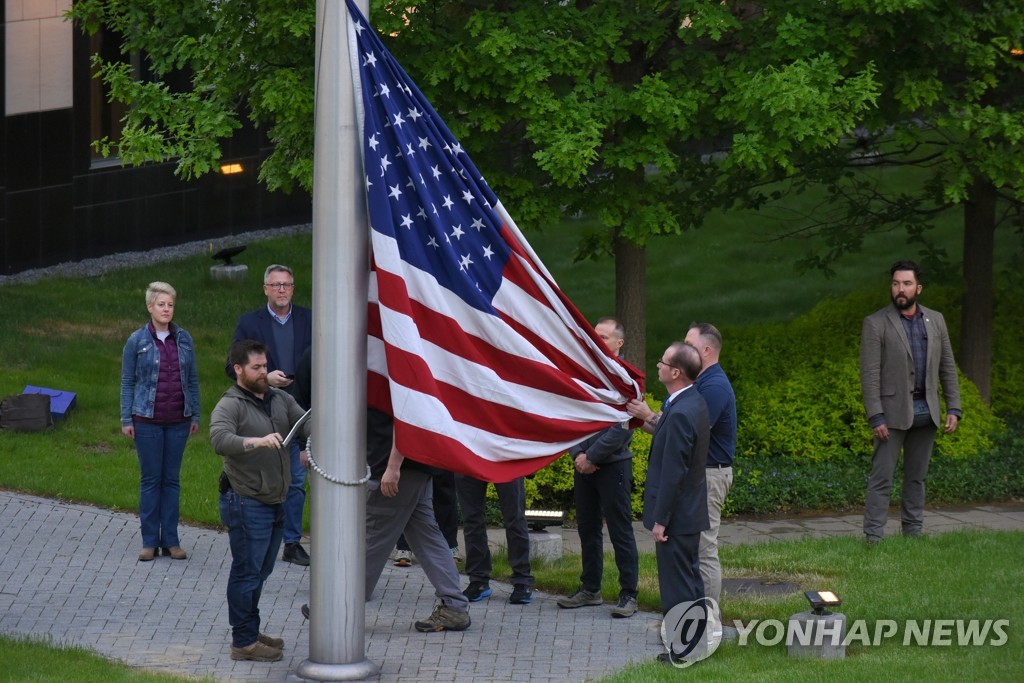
[[486, 365]]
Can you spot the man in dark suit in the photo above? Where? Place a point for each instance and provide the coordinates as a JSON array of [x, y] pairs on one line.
[[675, 494], [905, 354], [287, 331]]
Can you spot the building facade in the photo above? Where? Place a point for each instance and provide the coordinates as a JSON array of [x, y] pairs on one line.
[[60, 200]]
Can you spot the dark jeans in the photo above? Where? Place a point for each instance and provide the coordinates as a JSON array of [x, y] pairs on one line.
[[160, 449], [254, 531], [512, 498], [296, 501], [605, 496]]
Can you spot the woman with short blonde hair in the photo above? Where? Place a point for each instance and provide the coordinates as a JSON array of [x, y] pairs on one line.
[[159, 411]]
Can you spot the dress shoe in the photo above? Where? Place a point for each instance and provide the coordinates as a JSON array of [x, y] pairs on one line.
[[296, 554]]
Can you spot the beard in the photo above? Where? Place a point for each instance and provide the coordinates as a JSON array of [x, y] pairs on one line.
[[903, 302], [256, 385]]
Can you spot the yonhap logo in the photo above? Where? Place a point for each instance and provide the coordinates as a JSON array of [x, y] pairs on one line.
[[691, 631]]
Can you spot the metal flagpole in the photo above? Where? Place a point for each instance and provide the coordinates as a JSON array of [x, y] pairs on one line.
[[337, 648]]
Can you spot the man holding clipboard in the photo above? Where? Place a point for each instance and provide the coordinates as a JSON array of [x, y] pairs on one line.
[[246, 428]]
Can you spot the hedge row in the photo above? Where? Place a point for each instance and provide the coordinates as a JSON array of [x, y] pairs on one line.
[[804, 443]]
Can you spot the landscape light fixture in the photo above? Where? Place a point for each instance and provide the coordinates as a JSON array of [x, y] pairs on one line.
[[820, 600], [539, 519], [228, 253]]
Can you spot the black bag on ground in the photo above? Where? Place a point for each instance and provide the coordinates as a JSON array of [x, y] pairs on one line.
[[26, 413]]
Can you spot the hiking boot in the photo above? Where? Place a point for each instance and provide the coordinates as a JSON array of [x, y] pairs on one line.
[[176, 553], [403, 558], [626, 608], [147, 554], [521, 595], [257, 652], [296, 554], [477, 591], [270, 641], [581, 598], [444, 618]]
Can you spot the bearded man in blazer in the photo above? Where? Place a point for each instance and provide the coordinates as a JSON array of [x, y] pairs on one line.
[[905, 354], [675, 494]]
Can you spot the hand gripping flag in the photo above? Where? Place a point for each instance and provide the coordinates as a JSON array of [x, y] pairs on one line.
[[486, 365]]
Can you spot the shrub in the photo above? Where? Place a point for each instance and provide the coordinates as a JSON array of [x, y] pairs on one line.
[[804, 442], [809, 409]]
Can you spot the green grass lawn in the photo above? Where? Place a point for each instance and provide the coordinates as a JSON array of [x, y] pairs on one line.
[[36, 661]]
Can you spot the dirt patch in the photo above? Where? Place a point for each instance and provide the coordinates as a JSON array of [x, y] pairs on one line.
[[101, 448], [758, 586]]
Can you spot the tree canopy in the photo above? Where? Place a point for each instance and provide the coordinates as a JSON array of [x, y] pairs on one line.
[[646, 115]]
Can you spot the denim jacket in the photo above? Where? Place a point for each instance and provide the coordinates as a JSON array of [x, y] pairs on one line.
[[140, 366]]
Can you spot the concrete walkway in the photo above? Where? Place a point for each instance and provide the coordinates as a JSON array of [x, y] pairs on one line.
[[69, 573]]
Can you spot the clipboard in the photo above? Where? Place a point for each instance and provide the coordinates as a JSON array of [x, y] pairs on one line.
[[295, 428]]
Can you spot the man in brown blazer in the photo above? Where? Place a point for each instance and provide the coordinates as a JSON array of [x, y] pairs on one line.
[[904, 355]]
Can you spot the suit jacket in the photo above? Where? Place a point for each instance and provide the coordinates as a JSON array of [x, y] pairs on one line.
[[258, 325], [887, 368], [676, 491]]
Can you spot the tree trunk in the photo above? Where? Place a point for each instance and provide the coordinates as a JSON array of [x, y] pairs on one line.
[[979, 297], [631, 298]]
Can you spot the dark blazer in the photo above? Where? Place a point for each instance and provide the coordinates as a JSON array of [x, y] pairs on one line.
[[258, 325], [887, 368], [676, 491]]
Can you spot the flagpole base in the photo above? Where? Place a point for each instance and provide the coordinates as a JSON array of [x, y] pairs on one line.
[[355, 671]]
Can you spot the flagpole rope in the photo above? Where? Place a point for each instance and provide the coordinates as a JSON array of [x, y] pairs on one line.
[[313, 465]]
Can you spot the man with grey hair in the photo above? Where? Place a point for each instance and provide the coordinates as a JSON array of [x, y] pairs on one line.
[[287, 331], [716, 390]]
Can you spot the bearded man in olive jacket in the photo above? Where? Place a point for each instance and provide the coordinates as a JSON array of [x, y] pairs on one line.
[[247, 428]]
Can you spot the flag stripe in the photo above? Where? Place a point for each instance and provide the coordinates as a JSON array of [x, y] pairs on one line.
[[443, 333], [498, 415], [428, 412], [448, 453]]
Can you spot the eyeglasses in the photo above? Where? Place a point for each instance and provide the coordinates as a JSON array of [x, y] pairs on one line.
[[668, 365], [279, 285]]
